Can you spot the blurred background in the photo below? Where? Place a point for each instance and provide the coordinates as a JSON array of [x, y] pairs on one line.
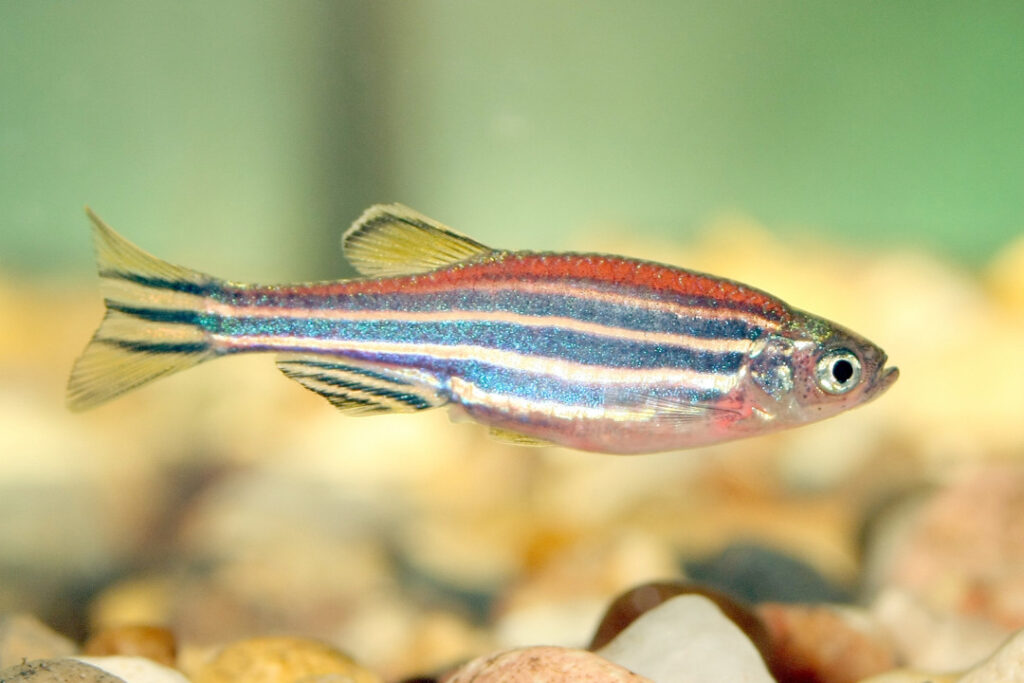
[[864, 161]]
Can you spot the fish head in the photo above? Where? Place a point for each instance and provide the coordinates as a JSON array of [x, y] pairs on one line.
[[814, 369]]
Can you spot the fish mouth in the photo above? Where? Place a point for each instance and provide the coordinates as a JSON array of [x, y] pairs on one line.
[[885, 380]]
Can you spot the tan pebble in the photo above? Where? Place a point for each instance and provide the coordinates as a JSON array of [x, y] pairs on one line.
[[542, 663], [153, 642], [280, 660], [23, 637], [144, 600], [1007, 664], [839, 646], [934, 641], [57, 671]]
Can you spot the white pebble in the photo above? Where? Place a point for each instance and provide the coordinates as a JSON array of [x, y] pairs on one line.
[[687, 640], [135, 669]]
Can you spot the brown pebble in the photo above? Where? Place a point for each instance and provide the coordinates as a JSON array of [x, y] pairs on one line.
[[823, 644], [57, 671], [152, 642], [281, 660], [625, 609]]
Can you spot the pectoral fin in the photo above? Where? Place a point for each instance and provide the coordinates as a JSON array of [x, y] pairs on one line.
[[392, 239], [509, 436], [654, 406], [361, 389]]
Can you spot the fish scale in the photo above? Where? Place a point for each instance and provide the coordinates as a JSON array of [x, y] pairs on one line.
[[595, 352]]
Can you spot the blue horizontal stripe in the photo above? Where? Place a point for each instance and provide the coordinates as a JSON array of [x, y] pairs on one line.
[[521, 303], [550, 342]]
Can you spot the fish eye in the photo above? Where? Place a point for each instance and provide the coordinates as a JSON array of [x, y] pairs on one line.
[[838, 371]]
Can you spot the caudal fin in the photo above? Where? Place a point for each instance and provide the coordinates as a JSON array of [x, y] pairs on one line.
[[152, 327]]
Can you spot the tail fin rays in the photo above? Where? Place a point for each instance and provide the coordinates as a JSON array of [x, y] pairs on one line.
[[150, 327]]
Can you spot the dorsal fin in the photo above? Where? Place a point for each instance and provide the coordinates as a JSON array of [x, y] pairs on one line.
[[392, 239]]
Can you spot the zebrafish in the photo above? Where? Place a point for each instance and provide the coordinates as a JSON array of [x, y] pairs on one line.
[[599, 353]]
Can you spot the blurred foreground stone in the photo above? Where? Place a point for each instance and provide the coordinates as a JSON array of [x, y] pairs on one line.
[[59, 671], [542, 663]]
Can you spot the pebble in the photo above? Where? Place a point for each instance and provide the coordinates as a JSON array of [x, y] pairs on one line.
[[935, 641], [1007, 664], [57, 671], [759, 574], [542, 663], [280, 660], [961, 550], [135, 669], [686, 639], [23, 637], [152, 642], [625, 609], [825, 643]]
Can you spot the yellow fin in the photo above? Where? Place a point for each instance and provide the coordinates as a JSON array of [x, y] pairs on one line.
[[150, 328], [509, 436], [392, 239]]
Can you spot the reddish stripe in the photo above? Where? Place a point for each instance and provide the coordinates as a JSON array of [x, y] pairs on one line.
[[603, 270]]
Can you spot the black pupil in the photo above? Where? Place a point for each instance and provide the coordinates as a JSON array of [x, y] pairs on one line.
[[842, 371]]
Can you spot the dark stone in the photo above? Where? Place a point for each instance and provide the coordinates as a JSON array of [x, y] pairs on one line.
[[757, 574]]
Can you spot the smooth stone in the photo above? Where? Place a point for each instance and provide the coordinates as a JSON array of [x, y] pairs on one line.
[[759, 574], [1006, 664], [687, 639], [625, 609], [24, 637], [826, 643], [280, 660], [928, 640], [542, 663], [135, 669], [959, 551], [153, 642], [58, 671]]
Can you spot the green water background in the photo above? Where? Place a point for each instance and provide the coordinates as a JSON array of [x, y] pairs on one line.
[[242, 137]]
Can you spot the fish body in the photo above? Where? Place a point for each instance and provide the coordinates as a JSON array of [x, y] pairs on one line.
[[598, 353]]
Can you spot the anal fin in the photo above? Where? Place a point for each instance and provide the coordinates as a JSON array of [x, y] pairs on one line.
[[362, 388]]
